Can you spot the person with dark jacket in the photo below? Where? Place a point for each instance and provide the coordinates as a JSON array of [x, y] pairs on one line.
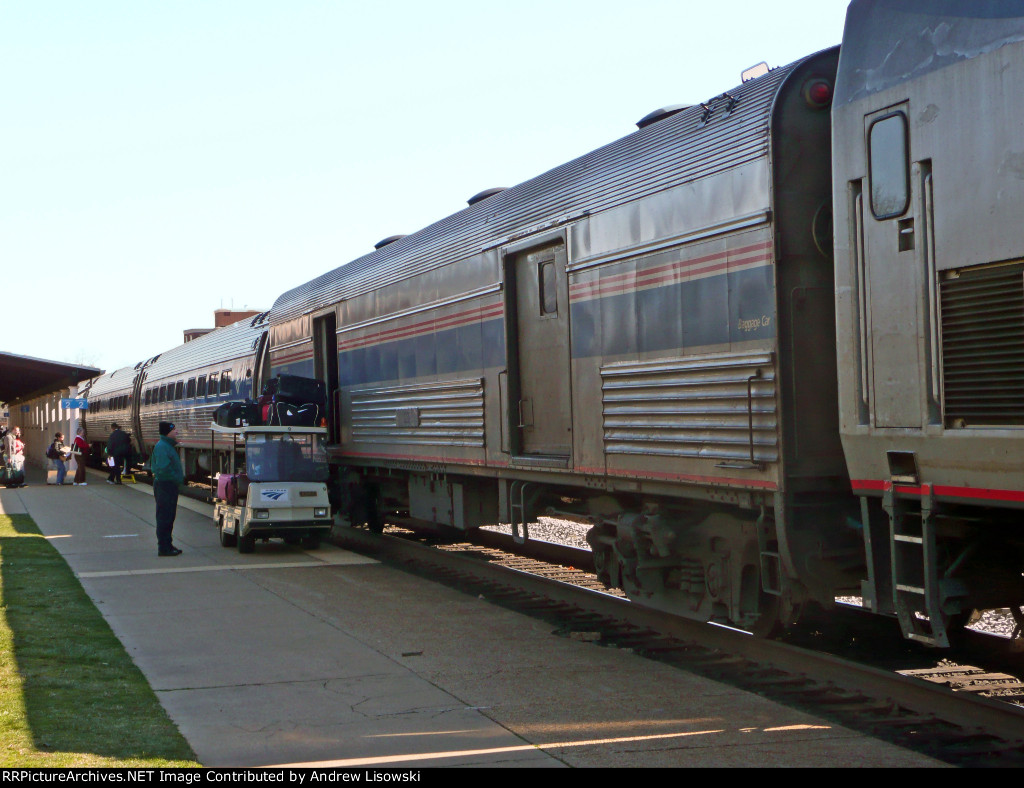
[[119, 446], [59, 453], [167, 476]]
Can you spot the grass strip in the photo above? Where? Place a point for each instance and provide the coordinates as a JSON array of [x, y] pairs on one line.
[[70, 696]]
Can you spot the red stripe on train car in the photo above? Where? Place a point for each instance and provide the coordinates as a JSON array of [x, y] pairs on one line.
[[425, 327], [942, 490], [600, 289], [760, 251]]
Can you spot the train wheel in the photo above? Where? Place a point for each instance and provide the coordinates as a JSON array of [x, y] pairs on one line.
[[768, 623], [226, 539]]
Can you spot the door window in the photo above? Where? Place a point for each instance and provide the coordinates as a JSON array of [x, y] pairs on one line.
[[890, 166]]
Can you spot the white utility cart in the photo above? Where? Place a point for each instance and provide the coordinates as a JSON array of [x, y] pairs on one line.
[[283, 491]]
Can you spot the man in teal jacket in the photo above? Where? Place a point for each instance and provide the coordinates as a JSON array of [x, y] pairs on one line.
[[167, 475]]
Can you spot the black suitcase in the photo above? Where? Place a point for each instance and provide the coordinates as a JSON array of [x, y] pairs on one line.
[[242, 413], [299, 391], [287, 415]]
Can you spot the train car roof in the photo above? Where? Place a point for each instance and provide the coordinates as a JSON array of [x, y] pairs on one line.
[[725, 132], [120, 380], [887, 42], [218, 347]]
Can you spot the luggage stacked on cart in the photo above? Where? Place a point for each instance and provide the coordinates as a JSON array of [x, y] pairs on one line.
[[240, 413], [232, 487], [9, 477], [293, 401]]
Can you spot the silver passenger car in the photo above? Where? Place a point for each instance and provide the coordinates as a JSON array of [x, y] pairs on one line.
[[184, 385]]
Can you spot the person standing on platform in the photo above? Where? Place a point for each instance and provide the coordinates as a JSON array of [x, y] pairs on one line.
[[81, 448], [58, 452], [119, 446], [167, 476], [14, 448]]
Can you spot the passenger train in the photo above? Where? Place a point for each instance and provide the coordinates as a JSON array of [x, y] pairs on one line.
[[771, 346]]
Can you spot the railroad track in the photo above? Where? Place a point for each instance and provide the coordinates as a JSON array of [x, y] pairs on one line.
[[923, 709]]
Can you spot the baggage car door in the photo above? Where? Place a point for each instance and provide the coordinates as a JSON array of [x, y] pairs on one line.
[[891, 271], [543, 415]]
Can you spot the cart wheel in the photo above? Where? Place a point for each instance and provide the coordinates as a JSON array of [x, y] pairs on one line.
[[226, 539], [246, 544]]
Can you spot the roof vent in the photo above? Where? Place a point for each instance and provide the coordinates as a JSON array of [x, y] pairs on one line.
[[660, 114], [389, 240], [754, 72], [485, 194]]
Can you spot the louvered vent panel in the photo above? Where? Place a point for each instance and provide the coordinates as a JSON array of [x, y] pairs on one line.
[[983, 347], [716, 407], [442, 414]]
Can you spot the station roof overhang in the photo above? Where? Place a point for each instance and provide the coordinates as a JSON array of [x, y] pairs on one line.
[[24, 377]]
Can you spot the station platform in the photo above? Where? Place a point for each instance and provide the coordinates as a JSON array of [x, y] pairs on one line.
[[330, 659]]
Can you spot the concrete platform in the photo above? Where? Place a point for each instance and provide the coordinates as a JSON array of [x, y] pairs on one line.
[[326, 658]]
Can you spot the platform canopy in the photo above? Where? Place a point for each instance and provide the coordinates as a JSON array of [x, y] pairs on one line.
[[23, 377]]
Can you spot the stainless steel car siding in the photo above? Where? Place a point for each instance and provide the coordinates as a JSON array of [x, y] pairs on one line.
[[451, 434], [450, 413], [715, 205], [606, 443], [890, 42], [467, 278], [720, 407], [676, 151], [966, 120]]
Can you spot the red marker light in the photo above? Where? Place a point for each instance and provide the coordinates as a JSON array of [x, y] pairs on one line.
[[818, 93]]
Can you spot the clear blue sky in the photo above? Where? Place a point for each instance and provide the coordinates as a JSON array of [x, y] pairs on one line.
[[159, 160]]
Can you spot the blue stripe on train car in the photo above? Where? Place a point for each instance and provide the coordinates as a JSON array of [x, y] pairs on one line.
[[303, 369], [717, 310], [464, 349]]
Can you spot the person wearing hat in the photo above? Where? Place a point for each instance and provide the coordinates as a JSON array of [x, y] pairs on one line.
[[167, 476]]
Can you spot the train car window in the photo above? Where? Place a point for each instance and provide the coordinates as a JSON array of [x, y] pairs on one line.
[[548, 286], [163, 394], [225, 382], [145, 397], [190, 389], [201, 386], [211, 386], [179, 387], [890, 166]]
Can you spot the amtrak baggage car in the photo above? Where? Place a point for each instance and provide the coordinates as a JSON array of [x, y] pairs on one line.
[[628, 337], [664, 338]]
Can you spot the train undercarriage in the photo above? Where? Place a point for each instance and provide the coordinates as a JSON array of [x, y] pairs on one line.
[[701, 560]]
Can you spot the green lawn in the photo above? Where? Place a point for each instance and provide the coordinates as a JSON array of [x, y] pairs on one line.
[[69, 693]]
